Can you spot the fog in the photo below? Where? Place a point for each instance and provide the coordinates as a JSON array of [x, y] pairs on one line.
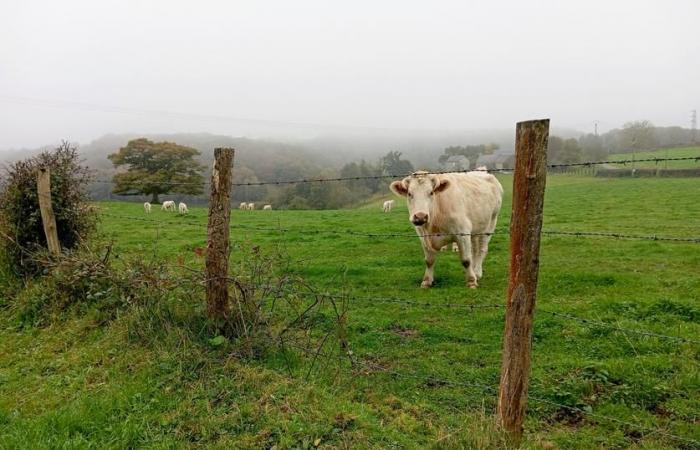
[[296, 70]]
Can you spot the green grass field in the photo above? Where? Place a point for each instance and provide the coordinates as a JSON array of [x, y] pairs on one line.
[[684, 152], [77, 383]]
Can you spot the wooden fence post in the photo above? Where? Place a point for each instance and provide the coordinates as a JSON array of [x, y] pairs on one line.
[[529, 181], [218, 235], [43, 186]]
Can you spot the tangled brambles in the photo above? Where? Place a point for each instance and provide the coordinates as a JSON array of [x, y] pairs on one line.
[[21, 228]]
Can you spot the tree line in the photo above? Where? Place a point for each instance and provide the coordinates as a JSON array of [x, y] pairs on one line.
[[153, 169]]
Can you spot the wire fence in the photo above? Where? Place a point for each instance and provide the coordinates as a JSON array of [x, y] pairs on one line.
[[399, 176], [364, 362], [355, 233]]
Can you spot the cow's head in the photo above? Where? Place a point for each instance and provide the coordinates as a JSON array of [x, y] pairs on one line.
[[420, 189]]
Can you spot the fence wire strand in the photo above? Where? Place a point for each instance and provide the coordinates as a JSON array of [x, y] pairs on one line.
[[340, 232], [611, 326], [398, 176]]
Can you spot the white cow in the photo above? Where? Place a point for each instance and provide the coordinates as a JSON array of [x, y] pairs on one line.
[[251, 206], [147, 207], [388, 205], [182, 208], [267, 207], [455, 207], [243, 205], [168, 205]]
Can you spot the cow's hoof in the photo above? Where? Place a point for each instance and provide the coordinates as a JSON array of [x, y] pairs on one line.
[[426, 284], [472, 285]]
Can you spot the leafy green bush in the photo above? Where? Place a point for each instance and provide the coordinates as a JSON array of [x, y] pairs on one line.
[[21, 228]]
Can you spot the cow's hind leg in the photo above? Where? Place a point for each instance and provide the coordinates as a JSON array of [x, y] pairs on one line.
[[465, 252], [429, 265], [482, 250], [477, 257]]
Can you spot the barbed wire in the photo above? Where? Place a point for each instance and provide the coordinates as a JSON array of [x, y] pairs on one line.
[[398, 176], [645, 428], [431, 303], [652, 237], [315, 232], [384, 176], [421, 304], [608, 325]]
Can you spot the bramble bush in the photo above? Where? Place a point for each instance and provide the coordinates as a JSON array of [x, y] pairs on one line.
[[21, 229]]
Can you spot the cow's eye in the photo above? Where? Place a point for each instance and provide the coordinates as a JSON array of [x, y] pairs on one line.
[[410, 195], [431, 193]]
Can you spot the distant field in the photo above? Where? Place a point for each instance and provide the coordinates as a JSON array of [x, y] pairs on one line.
[[663, 153], [76, 385]]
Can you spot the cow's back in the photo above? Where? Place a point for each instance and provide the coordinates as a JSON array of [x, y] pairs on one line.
[[476, 196]]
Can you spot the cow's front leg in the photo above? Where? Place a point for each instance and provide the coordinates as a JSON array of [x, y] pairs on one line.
[[429, 264], [465, 253]]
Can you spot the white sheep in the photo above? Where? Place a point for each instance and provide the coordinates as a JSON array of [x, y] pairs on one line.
[[168, 205], [147, 207], [182, 208]]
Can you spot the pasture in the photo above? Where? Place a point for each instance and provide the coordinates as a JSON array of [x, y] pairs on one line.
[[79, 384]]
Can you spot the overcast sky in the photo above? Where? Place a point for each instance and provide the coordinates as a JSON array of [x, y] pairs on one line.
[[78, 69]]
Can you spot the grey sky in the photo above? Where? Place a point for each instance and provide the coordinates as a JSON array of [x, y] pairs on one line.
[[382, 64]]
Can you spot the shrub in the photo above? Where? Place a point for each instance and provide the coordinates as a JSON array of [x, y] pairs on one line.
[[88, 281], [21, 228]]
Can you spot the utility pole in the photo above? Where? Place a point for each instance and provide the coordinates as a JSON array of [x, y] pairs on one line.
[[693, 125], [595, 128]]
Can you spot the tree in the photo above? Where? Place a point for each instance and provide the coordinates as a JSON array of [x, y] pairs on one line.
[[563, 151], [156, 168], [392, 164], [592, 147], [638, 135]]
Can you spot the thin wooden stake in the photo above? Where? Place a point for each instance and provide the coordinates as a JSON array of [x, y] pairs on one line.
[[43, 186], [218, 306], [529, 181]]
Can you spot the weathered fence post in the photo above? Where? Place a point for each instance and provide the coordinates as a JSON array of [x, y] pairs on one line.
[[525, 225], [218, 235], [43, 187]]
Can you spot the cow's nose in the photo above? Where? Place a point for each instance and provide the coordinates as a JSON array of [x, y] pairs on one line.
[[419, 219]]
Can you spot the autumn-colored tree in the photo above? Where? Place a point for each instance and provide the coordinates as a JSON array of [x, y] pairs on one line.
[[155, 168]]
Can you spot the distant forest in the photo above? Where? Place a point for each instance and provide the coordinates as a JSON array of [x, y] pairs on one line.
[[361, 156]]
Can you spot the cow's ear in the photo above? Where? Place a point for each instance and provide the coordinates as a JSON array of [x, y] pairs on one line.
[[399, 188], [442, 185]]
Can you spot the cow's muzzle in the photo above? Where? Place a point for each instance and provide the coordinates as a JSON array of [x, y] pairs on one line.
[[419, 219]]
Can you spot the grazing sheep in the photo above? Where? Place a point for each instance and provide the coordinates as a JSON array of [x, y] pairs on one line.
[[388, 205], [147, 207], [168, 205], [243, 205], [267, 207], [251, 206], [182, 208]]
